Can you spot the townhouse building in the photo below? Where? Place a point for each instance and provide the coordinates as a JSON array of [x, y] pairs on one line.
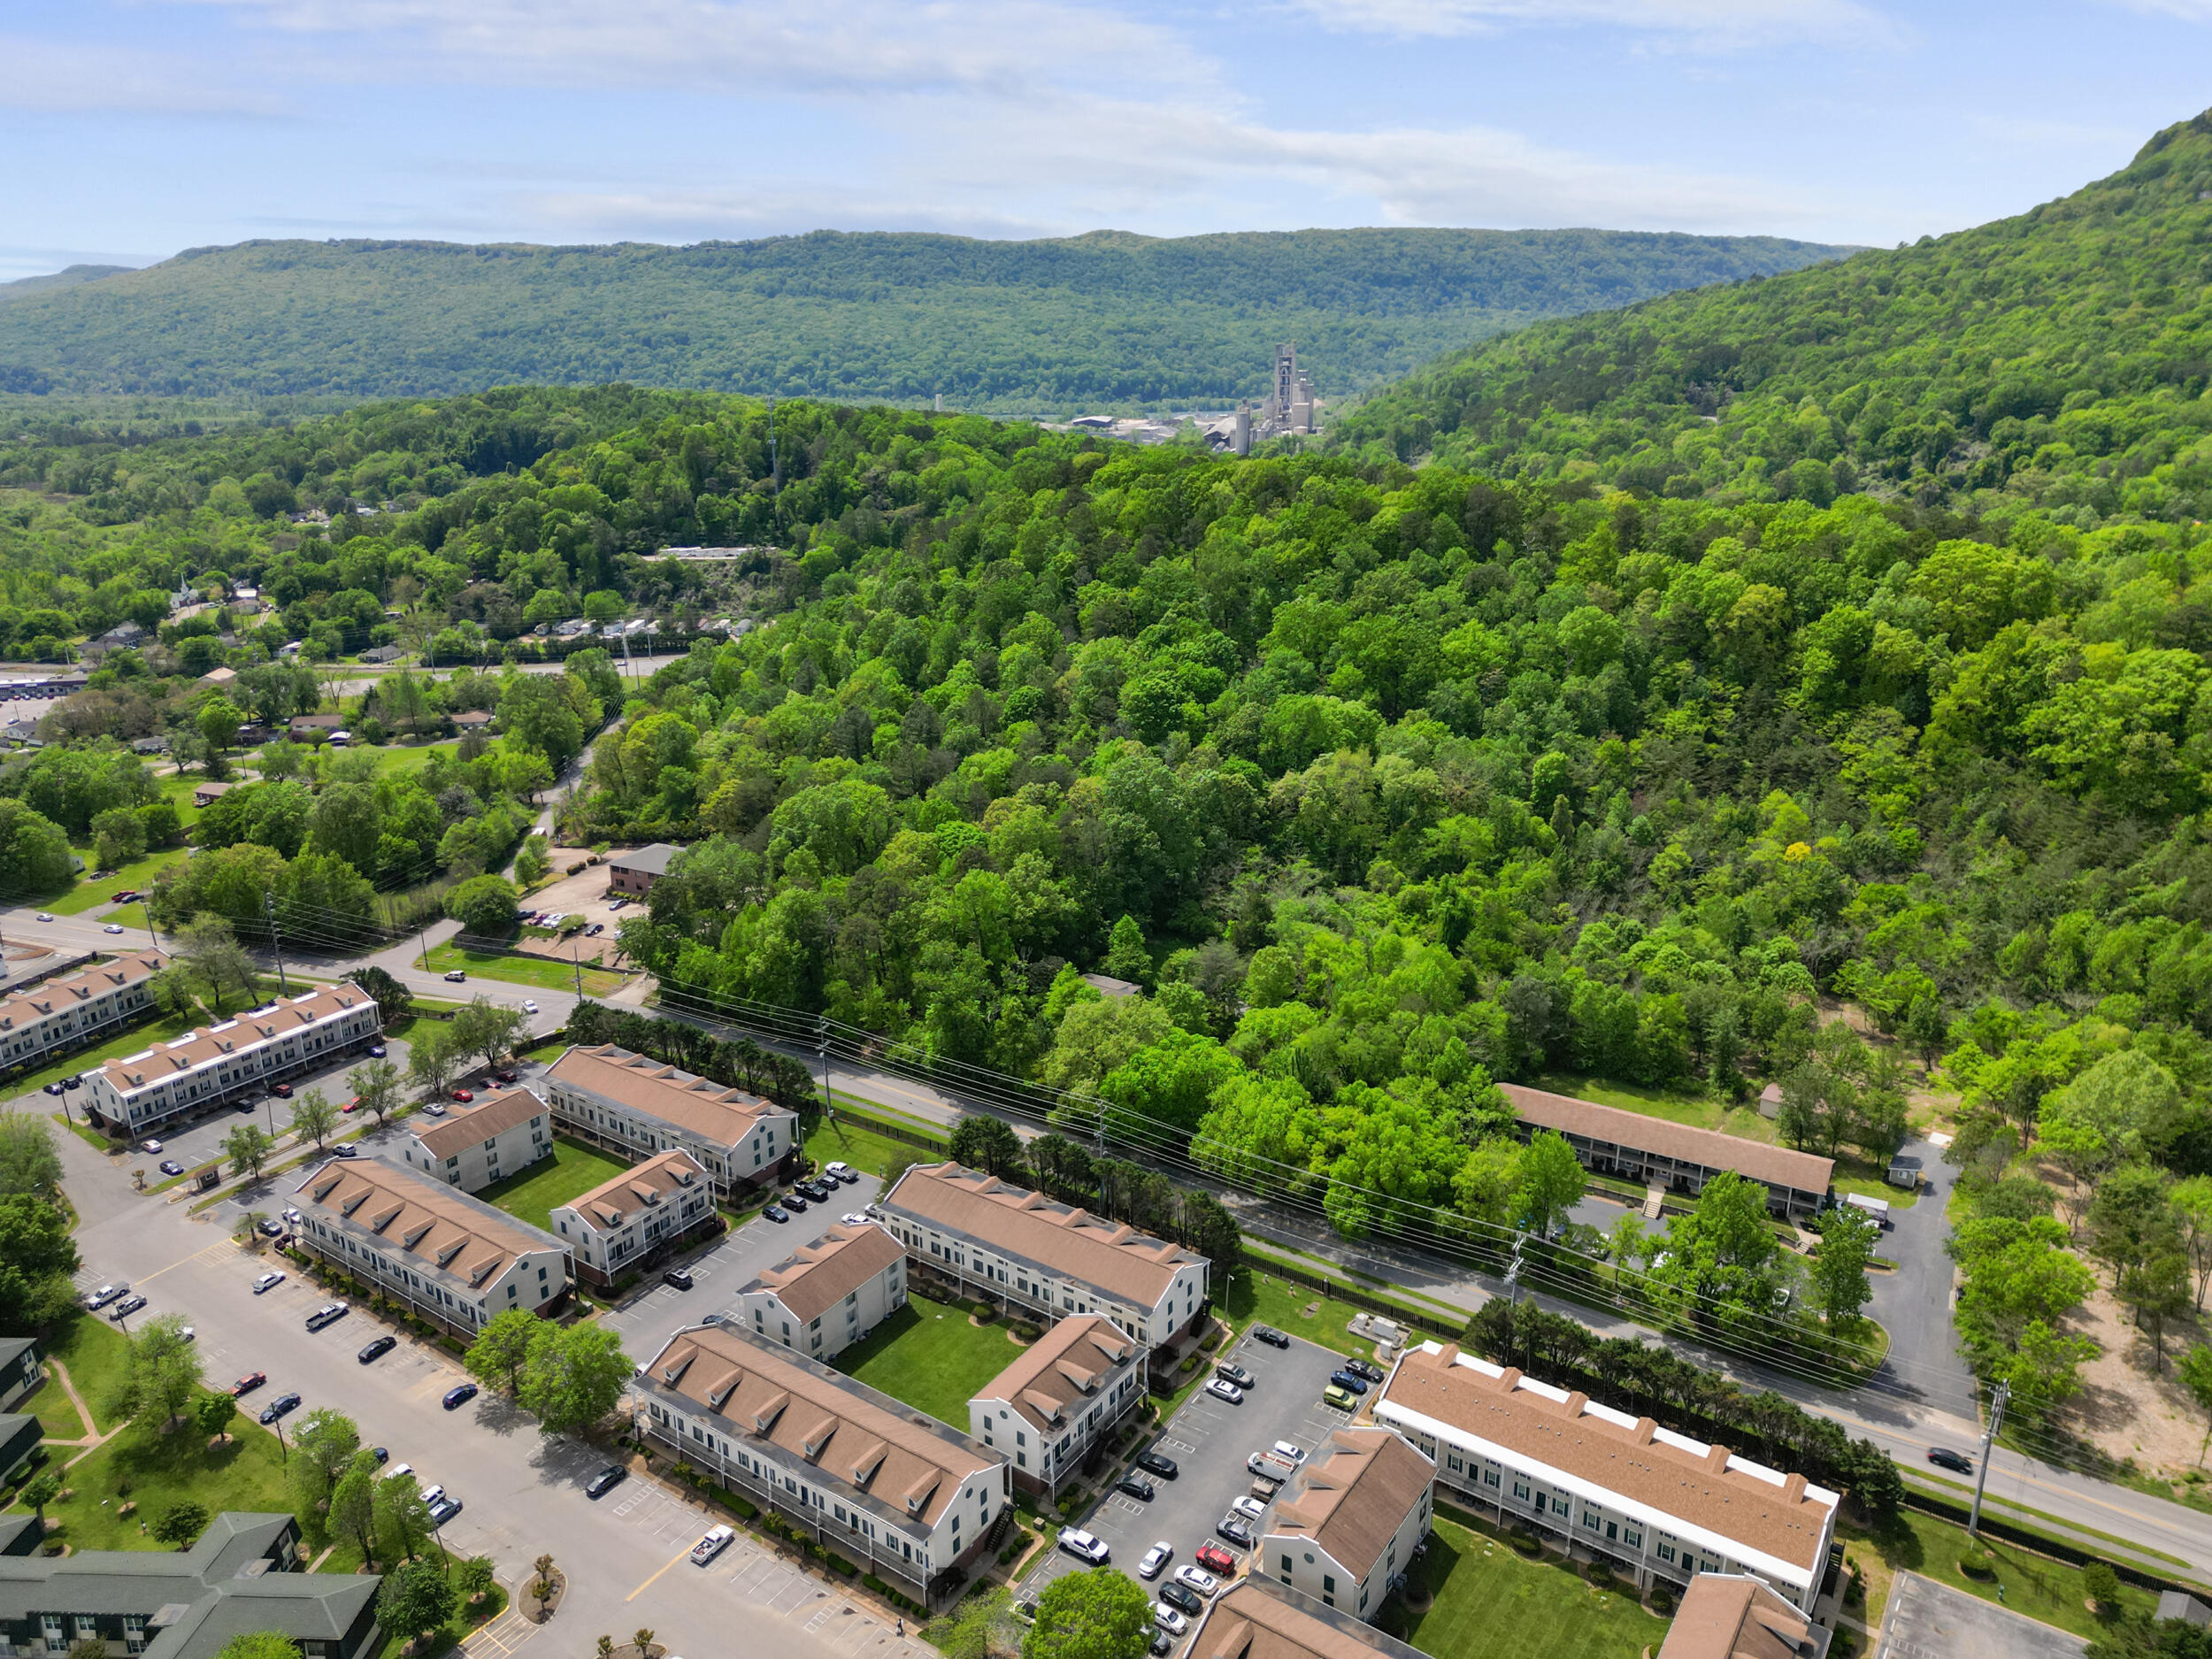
[[1344, 1529], [244, 1575], [1258, 1619], [236, 1059], [636, 1107], [827, 1296], [897, 1494], [621, 1225], [22, 1368], [55, 1016], [483, 1143], [453, 1258], [1729, 1615], [991, 1236], [1062, 1396], [1654, 1502]]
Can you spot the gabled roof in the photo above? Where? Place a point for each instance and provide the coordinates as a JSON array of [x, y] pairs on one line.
[[652, 861], [1110, 1255], [440, 1228], [1353, 1496], [1708, 1148], [281, 1018], [473, 1125], [859, 1442], [1731, 1616], [1049, 1381], [35, 1003], [816, 1277], [1255, 1618], [611, 1203], [717, 1114]]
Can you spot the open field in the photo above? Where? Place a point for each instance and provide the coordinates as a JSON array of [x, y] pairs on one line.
[[1699, 1112], [1257, 1296], [157, 1471], [530, 1194], [848, 1143], [138, 873], [1489, 1600], [547, 973], [96, 1354], [930, 1356], [2041, 1588]]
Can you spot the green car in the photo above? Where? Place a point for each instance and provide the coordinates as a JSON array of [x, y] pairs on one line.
[[1343, 1399]]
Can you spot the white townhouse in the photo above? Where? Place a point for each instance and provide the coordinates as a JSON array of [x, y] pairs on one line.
[[1345, 1528], [56, 1014], [1255, 1618], [827, 1296], [451, 1257], [1654, 1502], [636, 1107], [623, 1222], [1018, 1245], [237, 1058], [873, 1479], [1062, 1396], [479, 1144]]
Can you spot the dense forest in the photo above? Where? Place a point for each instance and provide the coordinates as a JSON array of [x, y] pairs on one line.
[[2058, 360], [1027, 328]]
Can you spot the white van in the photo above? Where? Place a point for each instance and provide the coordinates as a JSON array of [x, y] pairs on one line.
[[1878, 1208]]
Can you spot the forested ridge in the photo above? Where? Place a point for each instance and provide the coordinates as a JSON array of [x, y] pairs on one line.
[[2059, 358], [1106, 320]]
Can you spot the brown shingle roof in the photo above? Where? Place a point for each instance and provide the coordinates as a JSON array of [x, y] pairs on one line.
[[819, 1276], [441, 1228], [722, 1116], [1728, 1616], [1115, 1258], [1254, 1619], [196, 1047], [611, 1203], [1703, 1486], [34, 1003], [1067, 1364], [857, 1438], [1706, 1147], [472, 1126], [1352, 1496]]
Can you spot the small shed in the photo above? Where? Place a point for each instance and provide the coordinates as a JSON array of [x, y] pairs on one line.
[[2181, 1605], [1106, 985], [1904, 1171]]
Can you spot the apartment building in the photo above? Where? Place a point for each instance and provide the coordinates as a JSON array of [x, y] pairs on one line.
[[1727, 1615], [1063, 1394], [453, 1258], [243, 1576], [1654, 1502], [483, 1143], [238, 1059], [636, 1107], [989, 1235], [622, 1224], [1258, 1619], [827, 1296], [22, 1368], [58, 1015], [1344, 1529], [891, 1491]]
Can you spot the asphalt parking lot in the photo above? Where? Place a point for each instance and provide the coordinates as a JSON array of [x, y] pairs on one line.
[[1209, 1439]]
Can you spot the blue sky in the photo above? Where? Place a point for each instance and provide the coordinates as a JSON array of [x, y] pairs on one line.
[[133, 128]]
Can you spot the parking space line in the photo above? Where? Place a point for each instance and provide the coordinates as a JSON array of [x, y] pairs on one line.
[[650, 1582]]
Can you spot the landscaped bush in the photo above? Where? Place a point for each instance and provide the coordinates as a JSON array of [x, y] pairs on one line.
[[2103, 1585], [1026, 1331], [986, 1312], [1663, 1600], [1979, 1564], [838, 1564]]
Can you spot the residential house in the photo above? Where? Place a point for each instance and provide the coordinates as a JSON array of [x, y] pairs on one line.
[[451, 1257], [478, 1145], [655, 1207], [636, 871], [1734, 1616], [1344, 1530], [22, 1368], [55, 1016], [830, 1294], [221, 679], [207, 792], [637, 1107], [1061, 1396], [904, 1498], [314, 728], [1004, 1241], [1654, 1502]]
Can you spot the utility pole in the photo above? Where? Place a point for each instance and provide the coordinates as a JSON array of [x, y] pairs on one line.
[[1513, 1273], [1981, 1469], [821, 1048], [276, 943], [577, 952]]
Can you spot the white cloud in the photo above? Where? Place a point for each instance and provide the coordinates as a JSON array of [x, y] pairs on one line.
[[1708, 22], [50, 77]]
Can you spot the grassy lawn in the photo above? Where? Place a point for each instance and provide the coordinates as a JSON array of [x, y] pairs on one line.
[[531, 1195], [157, 1471], [95, 1352], [1697, 1110], [542, 972], [867, 1151], [1257, 1296], [140, 875], [137, 1039], [1490, 1600], [930, 1356], [2034, 1584]]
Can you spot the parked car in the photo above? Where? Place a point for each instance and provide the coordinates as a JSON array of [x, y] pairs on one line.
[[676, 1278], [714, 1543], [1213, 1558], [1232, 1527], [345, 1150], [129, 1306], [838, 1169], [504, 1075], [435, 1108], [396, 1471], [1168, 1619], [1251, 1508], [1290, 1449], [1236, 1374], [170, 1166], [463, 1095], [455, 1398], [293, 1215], [269, 1229], [775, 1212], [1155, 1559], [247, 1384], [377, 1350], [376, 1051], [382, 1454], [1228, 1391], [1157, 1463], [124, 896], [854, 1219], [149, 1147], [283, 1405], [73, 1082], [266, 1283], [282, 1091], [1944, 1457], [432, 1494], [1343, 1399], [1367, 1369], [1270, 1336], [605, 1481], [351, 1106], [53, 1088], [329, 1313], [594, 930], [1161, 1645], [454, 976], [1350, 1381], [1135, 1486], [1197, 1578], [1181, 1599], [1089, 1546], [445, 1510], [794, 1200]]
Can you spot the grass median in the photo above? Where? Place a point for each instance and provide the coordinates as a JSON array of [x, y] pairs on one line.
[[547, 974], [531, 1195]]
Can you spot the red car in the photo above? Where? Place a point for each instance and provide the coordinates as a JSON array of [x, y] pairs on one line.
[[250, 1381], [282, 1091], [506, 1076], [463, 1095], [353, 1105], [127, 894], [1214, 1559]]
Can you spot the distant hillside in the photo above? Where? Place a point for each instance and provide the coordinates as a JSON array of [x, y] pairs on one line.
[[68, 277], [1102, 319], [2060, 357]]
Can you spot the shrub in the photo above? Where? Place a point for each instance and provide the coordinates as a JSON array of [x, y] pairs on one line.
[[2103, 1585], [1661, 1600], [986, 1312], [1980, 1565], [838, 1564]]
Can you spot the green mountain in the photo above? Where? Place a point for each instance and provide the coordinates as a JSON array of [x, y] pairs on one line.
[[2061, 357], [1103, 319], [67, 277]]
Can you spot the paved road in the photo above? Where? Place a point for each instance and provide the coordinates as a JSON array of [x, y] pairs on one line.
[[1914, 1301]]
